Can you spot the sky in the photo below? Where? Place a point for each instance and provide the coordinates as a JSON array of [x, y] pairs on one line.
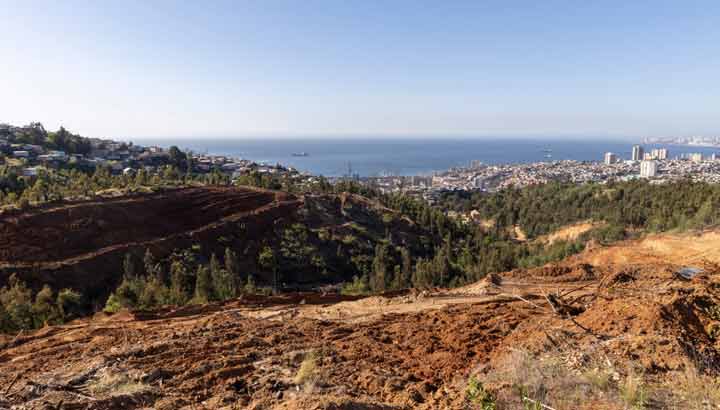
[[304, 68]]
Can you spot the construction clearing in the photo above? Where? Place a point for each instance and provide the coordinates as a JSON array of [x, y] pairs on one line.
[[613, 327]]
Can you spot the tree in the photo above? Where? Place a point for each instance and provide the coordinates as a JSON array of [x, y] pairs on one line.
[[153, 294], [129, 266], [378, 281], [223, 283], [268, 261], [149, 262], [406, 269], [17, 302], [203, 285], [295, 247], [232, 265], [68, 303], [250, 287], [180, 283], [44, 309], [127, 293]]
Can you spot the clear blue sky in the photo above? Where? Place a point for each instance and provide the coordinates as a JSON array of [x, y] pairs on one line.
[[482, 68]]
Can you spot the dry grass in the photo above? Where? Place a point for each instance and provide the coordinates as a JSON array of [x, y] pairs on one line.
[[110, 383], [633, 391], [307, 374], [692, 391]]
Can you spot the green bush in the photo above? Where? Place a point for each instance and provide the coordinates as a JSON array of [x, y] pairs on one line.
[[476, 394]]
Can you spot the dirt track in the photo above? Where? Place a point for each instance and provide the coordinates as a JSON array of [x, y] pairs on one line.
[[408, 351]]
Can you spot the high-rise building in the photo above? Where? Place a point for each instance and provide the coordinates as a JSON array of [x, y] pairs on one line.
[[696, 157], [637, 153], [648, 169], [659, 153], [610, 158]]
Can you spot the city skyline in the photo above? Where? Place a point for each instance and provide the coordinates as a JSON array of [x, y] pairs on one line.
[[405, 69]]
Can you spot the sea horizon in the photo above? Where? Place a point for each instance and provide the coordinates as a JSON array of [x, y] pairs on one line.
[[402, 156]]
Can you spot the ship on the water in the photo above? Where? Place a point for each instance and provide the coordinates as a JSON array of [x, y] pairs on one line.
[[300, 154]]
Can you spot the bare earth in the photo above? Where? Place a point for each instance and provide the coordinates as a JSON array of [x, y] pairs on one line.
[[407, 351]]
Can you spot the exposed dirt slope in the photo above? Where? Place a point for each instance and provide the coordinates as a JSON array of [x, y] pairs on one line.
[[408, 351], [82, 245], [570, 232]]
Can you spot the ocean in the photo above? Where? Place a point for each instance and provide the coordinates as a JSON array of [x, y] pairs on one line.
[[375, 157]]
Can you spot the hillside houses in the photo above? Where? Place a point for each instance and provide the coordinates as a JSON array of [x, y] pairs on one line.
[[31, 149]]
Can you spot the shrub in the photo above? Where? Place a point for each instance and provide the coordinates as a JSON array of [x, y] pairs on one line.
[[359, 286], [44, 309], [632, 391], [68, 303], [476, 394], [113, 304], [308, 369], [17, 302]]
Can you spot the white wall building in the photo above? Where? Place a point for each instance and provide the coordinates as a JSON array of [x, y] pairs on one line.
[[648, 169], [637, 153], [659, 153], [696, 157], [610, 158]]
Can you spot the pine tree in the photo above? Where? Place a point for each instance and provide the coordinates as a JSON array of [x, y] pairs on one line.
[[223, 283], [129, 267], [379, 266], [203, 285], [180, 283], [149, 262], [232, 265], [406, 272]]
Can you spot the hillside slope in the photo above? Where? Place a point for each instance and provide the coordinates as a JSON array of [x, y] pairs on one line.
[[574, 335], [82, 245]]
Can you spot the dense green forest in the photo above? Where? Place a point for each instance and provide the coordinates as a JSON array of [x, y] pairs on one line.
[[540, 209]]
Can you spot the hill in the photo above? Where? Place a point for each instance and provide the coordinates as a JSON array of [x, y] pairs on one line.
[[84, 245], [588, 332]]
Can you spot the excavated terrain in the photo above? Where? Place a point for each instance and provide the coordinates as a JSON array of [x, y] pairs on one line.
[[82, 245], [405, 351]]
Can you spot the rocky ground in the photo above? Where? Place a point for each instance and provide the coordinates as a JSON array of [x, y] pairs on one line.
[[614, 327]]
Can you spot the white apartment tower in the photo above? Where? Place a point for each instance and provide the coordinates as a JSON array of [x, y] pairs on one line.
[[637, 153], [610, 158], [659, 153], [648, 169]]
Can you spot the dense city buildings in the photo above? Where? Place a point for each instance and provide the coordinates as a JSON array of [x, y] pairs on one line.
[[485, 177]]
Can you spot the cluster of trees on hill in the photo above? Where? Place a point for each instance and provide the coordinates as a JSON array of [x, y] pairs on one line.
[[20, 309], [465, 252], [184, 277], [63, 184], [541, 209], [447, 252], [61, 140]]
